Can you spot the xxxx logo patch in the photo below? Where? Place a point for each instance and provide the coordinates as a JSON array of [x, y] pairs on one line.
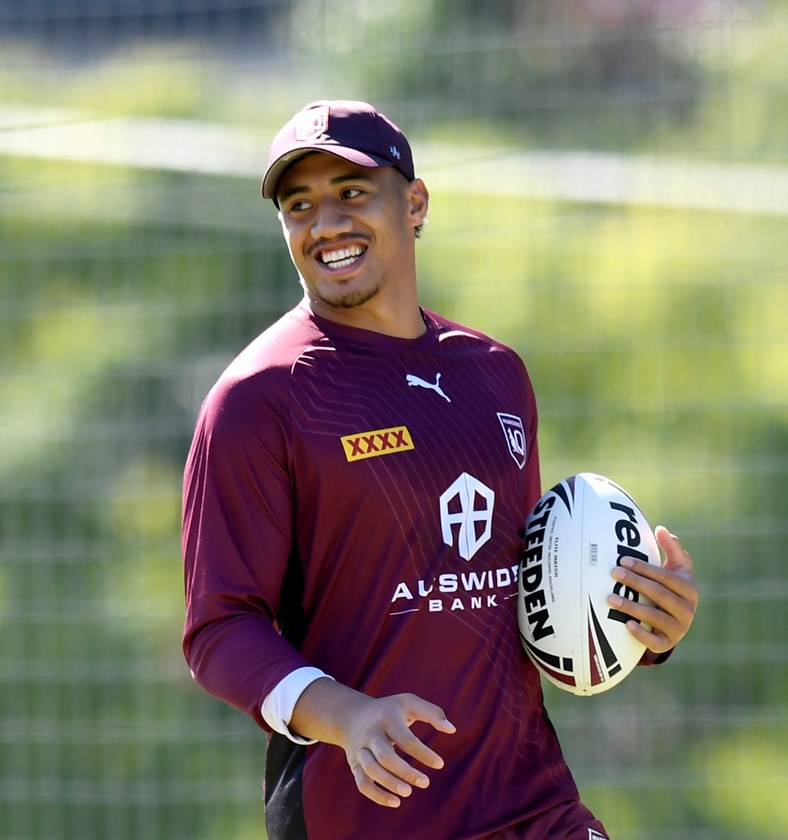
[[377, 442]]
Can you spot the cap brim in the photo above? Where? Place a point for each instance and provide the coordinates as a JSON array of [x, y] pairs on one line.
[[275, 170]]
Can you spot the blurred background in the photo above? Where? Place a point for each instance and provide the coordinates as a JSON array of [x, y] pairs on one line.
[[609, 195]]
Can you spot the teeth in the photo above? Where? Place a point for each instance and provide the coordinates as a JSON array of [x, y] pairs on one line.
[[342, 257]]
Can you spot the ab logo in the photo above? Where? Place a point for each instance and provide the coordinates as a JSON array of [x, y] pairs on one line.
[[467, 509]]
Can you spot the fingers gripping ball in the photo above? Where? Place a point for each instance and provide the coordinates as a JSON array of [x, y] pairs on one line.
[[574, 537]]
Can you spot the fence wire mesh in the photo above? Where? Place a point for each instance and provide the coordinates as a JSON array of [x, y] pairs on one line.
[[609, 195]]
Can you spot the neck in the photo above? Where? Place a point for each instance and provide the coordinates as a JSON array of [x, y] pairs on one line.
[[405, 322]]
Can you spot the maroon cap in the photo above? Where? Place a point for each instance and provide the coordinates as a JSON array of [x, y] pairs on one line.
[[351, 130]]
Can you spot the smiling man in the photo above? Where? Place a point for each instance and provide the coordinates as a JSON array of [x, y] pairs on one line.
[[348, 230], [354, 504], [350, 207]]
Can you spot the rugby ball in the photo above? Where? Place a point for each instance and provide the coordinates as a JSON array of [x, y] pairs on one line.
[[574, 537]]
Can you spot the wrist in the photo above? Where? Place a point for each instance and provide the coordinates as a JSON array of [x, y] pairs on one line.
[[324, 711]]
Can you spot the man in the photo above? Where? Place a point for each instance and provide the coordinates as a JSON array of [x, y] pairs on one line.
[[353, 521]]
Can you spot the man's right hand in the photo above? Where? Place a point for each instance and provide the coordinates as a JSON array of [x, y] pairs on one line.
[[374, 733]]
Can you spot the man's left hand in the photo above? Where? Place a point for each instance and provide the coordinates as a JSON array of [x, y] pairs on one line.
[[671, 587]]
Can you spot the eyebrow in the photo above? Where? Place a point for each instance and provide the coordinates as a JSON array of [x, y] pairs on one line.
[[356, 175]]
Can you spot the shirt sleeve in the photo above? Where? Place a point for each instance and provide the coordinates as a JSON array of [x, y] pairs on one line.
[[533, 477], [651, 658], [279, 704], [236, 541]]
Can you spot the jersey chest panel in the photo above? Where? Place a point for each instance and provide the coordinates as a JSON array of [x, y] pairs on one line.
[[404, 459]]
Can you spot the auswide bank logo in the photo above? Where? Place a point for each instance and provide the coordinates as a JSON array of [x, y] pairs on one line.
[[377, 442], [467, 509]]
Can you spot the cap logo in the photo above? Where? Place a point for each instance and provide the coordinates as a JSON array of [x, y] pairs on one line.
[[394, 151], [310, 124]]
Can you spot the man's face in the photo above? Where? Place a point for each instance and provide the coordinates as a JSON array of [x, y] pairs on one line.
[[351, 232]]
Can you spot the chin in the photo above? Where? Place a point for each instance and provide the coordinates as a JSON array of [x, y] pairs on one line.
[[345, 298]]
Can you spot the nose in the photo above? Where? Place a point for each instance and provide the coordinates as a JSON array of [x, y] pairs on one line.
[[331, 220]]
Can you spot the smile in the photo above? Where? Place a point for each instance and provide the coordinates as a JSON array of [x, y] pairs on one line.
[[341, 257]]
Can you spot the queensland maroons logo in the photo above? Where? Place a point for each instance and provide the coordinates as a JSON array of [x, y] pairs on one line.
[[310, 124], [514, 433]]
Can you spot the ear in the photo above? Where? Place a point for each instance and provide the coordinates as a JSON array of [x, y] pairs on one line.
[[419, 201]]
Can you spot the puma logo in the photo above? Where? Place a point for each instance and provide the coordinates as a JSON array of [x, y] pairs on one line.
[[431, 386]]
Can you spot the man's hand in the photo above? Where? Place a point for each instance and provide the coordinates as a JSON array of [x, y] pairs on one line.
[[671, 587], [376, 729], [374, 733]]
